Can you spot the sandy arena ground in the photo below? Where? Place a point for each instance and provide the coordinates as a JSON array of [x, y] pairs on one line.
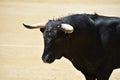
[[21, 49]]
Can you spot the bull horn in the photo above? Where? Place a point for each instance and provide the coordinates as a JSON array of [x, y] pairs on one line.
[[35, 26], [66, 28]]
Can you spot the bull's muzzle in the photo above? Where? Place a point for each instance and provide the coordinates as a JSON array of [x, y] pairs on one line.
[[48, 58]]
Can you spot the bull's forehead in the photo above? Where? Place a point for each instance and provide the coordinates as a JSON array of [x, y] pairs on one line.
[[52, 25], [51, 29]]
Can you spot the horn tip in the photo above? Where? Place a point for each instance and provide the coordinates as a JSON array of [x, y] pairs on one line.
[[23, 24], [27, 26]]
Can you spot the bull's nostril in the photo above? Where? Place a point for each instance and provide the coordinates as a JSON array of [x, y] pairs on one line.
[[48, 59], [45, 58]]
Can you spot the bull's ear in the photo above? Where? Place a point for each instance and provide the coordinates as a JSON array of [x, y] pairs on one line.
[[42, 29]]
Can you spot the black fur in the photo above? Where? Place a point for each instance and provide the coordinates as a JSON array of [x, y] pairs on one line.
[[93, 47]]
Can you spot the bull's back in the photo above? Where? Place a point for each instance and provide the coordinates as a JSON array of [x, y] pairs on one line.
[[109, 31]]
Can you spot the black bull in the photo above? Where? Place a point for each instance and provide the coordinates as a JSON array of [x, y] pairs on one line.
[[93, 45]]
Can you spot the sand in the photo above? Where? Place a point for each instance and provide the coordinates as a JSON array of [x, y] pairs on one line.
[[21, 49]]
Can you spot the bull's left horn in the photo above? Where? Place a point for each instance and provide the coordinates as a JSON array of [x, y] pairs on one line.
[[66, 28], [35, 26]]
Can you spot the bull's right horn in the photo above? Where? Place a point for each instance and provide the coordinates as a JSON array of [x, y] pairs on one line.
[[67, 28], [35, 26]]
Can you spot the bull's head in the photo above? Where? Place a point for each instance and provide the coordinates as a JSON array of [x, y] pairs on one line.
[[54, 38]]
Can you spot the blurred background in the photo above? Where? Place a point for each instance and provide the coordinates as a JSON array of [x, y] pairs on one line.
[[21, 49]]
